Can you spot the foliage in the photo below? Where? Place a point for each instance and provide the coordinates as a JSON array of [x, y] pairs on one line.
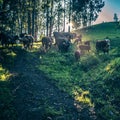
[[36, 16], [86, 11]]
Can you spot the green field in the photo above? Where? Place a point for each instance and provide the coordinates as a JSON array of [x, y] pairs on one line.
[[100, 31], [93, 81]]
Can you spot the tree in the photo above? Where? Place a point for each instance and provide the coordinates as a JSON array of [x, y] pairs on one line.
[[115, 17], [47, 15], [86, 11]]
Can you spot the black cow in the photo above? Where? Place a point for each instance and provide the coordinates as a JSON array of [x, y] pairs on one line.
[[27, 40], [62, 40], [6, 39], [13, 39], [103, 45], [64, 45]]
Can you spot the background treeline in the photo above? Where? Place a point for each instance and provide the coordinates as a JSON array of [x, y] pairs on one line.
[[45, 16]]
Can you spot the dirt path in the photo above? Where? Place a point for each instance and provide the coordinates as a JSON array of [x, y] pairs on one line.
[[36, 98]]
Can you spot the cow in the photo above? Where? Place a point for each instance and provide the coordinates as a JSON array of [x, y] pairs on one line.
[[87, 43], [103, 45], [78, 40], [46, 42], [8, 39], [13, 39], [64, 45], [77, 55], [27, 40], [62, 40], [85, 47]]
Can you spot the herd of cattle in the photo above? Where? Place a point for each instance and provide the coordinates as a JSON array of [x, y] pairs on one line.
[[7, 40], [63, 41]]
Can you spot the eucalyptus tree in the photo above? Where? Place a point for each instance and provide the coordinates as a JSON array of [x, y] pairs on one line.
[[7, 17], [86, 11], [48, 15], [53, 10]]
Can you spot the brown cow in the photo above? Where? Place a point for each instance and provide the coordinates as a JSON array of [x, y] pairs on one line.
[[87, 43], [46, 42], [77, 55], [85, 47]]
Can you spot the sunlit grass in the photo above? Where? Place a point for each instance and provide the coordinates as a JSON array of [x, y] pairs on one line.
[[37, 45], [1, 68], [4, 75], [113, 65], [83, 97], [13, 54]]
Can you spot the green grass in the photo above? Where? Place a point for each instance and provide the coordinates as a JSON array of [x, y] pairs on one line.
[[93, 81], [100, 31], [7, 110]]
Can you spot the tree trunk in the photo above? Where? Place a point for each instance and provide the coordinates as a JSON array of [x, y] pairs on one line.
[[51, 19], [29, 22]]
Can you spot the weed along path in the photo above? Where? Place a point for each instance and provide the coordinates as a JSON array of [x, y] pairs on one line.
[[36, 97]]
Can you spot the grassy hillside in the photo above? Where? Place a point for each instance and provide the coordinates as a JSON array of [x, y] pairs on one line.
[[93, 81], [100, 31]]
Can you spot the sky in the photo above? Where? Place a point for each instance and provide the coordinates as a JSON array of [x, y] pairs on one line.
[[107, 13]]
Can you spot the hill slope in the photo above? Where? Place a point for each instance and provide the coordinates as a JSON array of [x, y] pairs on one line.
[[100, 31], [54, 86]]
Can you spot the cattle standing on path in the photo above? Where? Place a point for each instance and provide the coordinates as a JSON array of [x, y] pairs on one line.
[[63, 40], [103, 45], [27, 40], [46, 42]]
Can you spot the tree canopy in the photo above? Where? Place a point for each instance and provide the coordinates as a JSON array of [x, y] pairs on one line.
[[46, 16]]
